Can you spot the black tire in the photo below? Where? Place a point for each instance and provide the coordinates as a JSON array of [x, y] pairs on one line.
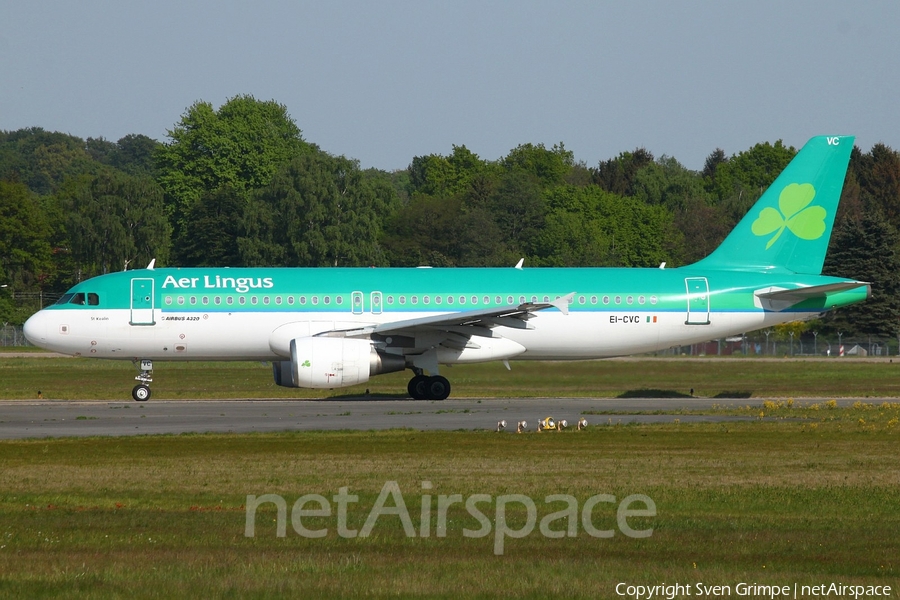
[[416, 387], [141, 392], [437, 387]]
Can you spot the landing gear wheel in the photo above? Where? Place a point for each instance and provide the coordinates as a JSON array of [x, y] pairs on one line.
[[416, 387], [141, 392], [437, 388]]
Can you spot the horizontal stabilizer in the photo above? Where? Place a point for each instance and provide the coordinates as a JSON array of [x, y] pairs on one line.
[[778, 299]]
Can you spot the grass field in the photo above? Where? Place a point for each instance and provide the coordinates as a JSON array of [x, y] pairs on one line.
[[775, 503], [808, 499], [78, 379]]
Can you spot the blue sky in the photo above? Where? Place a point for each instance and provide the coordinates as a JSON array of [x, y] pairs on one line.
[[383, 82]]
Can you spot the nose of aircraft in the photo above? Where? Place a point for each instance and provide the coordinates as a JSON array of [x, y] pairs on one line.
[[36, 329]]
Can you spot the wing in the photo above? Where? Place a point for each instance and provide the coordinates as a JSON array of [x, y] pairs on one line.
[[447, 338], [473, 322]]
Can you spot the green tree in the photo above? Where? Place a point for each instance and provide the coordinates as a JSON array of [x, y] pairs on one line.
[[741, 180], [550, 167], [318, 211], [867, 250], [434, 174], [242, 145], [588, 226], [518, 209], [25, 253], [878, 175], [617, 175], [211, 231], [114, 221], [43, 160], [425, 232]]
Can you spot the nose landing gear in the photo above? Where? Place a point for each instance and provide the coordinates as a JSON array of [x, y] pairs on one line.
[[141, 391]]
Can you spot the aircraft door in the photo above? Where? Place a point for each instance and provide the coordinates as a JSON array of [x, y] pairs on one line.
[[697, 301], [376, 303], [142, 300], [356, 303]]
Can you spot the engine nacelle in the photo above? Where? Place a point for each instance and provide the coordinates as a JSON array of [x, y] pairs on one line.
[[332, 362]]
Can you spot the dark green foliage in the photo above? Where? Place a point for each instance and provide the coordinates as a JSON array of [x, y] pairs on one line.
[[211, 230], [25, 253], [114, 220], [867, 249], [878, 174], [318, 211], [42, 160], [616, 175]]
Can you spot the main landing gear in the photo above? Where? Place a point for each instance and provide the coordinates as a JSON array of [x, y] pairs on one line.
[[141, 391], [423, 387]]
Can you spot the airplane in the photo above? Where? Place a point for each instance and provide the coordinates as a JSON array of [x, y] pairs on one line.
[[329, 328]]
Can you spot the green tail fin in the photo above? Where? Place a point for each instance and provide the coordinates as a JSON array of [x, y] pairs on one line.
[[789, 226]]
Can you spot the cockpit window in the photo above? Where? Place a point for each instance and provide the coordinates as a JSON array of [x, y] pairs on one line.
[[80, 298]]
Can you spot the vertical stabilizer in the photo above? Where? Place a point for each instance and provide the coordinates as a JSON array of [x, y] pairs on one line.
[[789, 226]]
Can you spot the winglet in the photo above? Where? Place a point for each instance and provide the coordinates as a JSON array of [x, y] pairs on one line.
[[563, 303], [151, 265], [520, 263]]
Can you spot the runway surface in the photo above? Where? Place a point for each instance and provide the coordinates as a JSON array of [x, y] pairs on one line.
[[41, 419]]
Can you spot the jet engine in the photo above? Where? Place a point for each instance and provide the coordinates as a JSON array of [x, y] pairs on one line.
[[333, 362]]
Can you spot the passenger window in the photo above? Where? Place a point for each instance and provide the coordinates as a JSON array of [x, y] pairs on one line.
[[93, 299]]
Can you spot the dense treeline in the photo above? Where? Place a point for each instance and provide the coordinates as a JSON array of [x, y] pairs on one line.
[[239, 185]]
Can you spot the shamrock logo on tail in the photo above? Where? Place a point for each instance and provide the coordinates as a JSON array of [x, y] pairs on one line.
[[804, 221]]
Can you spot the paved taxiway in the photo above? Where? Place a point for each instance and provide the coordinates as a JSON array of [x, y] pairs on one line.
[[37, 419]]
